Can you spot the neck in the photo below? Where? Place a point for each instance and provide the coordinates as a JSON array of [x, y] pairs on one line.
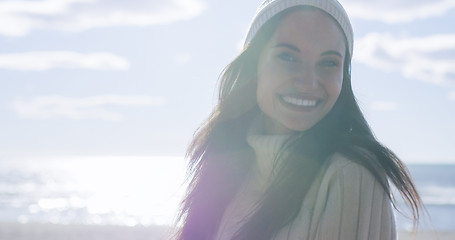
[[266, 148]]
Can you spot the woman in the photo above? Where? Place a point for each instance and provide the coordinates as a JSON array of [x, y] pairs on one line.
[[286, 152]]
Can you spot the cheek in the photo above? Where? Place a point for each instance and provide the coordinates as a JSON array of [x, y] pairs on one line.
[[336, 89], [266, 94], [333, 87], [265, 85], [269, 80], [263, 92], [334, 93]]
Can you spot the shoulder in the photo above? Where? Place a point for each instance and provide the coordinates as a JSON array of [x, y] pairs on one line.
[[344, 181], [346, 202], [346, 172], [352, 203], [347, 184]]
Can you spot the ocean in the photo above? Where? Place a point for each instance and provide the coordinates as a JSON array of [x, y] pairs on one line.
[[436, 185], [132, 191]]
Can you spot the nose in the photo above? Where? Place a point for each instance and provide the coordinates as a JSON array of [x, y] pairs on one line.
[[306, 79]]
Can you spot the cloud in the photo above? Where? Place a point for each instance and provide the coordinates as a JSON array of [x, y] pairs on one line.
[[384, 106], [182, 58], [42, 61], [393, 11], [20, 17], [94, 107], [430, 59], [452, 96]]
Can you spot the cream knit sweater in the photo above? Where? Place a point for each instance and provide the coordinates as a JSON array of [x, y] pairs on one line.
[[345, 202]]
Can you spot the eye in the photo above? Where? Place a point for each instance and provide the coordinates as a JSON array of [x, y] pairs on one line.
[[286, 57], [329, 63]]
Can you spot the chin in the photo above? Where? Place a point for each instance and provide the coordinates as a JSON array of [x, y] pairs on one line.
[[299, 126]]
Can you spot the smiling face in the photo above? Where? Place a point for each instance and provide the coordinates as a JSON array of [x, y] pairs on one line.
[[300, 71]]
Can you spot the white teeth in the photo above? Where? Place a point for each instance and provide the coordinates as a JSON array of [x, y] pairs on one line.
[[299, 101]]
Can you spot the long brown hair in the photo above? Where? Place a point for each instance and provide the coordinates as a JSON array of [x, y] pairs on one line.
[[220, 157]]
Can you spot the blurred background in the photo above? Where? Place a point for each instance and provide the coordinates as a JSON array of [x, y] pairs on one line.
[[99, 99]]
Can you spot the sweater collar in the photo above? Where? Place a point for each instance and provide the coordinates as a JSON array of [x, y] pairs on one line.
[[266, 147]]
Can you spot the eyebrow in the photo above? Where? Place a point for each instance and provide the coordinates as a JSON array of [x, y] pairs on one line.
[[296, 49], [332, 52], [286, 45]]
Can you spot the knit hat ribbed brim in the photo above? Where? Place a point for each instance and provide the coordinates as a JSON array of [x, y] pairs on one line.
[[270, 8]]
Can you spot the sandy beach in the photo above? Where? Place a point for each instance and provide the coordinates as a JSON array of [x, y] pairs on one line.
[[31, 231], [37, 231], [402, 235]]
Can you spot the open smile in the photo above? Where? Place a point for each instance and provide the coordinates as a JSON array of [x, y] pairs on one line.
[[300, 103]]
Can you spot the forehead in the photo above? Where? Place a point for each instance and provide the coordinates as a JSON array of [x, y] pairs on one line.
[[310, 28]]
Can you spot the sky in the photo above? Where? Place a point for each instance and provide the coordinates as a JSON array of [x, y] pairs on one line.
[[136, 78]]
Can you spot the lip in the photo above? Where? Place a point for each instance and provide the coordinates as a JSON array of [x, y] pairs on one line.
[[299, 101]]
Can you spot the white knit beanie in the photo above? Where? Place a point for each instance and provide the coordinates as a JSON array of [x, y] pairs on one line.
[[270, 8]]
